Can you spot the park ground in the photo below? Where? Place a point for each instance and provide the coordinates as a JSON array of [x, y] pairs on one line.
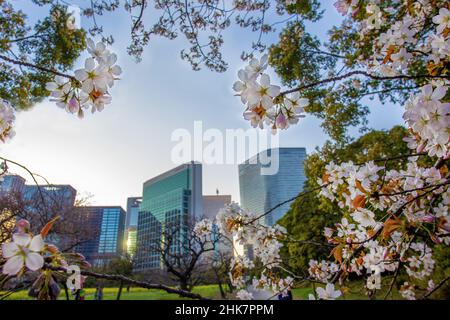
[[207, 291]]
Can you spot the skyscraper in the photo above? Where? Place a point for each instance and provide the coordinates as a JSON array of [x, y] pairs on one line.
[[107, 225], [169, 199], [260, 193], [133, 204]]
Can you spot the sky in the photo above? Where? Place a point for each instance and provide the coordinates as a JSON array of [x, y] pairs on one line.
[[109, 155]]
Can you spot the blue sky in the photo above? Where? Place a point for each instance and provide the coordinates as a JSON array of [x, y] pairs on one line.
[[110, 154]]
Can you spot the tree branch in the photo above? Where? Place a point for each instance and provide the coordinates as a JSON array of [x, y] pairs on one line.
[[30, 65], [142, 284], [362, 73]]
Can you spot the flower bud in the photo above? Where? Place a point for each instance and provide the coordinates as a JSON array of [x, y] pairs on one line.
[[428, 218], [23, 225]]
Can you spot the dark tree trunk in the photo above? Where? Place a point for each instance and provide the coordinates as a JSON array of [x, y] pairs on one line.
[[119, 294], [66, 291], [222, 292]]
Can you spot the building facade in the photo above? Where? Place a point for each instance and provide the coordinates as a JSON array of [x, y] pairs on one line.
[[212, 204], [169, 201], [211, 207], [262, 192], [133, 205], [12, 183], [49, 196], [107, 225]]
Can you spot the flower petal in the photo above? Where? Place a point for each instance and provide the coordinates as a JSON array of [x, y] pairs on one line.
[[13, 265], [21, 239], [34, 261], [265, 80], [81, 74], [10, 249], [37, 244], [89, 64]]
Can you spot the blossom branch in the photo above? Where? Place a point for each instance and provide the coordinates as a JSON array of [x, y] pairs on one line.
[[30, 65], [362, 73], [440, 284]]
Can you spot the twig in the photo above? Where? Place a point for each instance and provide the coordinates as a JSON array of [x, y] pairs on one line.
[[440, 284]]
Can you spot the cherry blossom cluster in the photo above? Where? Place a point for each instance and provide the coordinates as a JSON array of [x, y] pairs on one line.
[[264, 103], [203, 228], [7, 118], [429, 119], [89, 86], [323, 271], [245, 228], [415, 197], [401, 47]]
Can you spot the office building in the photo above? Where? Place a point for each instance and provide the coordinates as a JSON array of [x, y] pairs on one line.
[[171, 201], [106, 224], [261, 192]]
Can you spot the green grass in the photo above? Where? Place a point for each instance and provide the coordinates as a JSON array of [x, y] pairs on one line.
[[209, 291], [356, 292]]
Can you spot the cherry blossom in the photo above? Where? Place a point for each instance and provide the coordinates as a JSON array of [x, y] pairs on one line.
[[7, 118], [329, 293], [442, 20], [88, 88], [24, 250], [244, 295], [203, 228]]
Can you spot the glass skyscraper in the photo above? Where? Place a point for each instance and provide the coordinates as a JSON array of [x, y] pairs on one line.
[[170, 199], [260, 193], [133, 204], [107, 225]]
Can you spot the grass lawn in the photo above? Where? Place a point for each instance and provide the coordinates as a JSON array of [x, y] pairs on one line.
[[208, 291]]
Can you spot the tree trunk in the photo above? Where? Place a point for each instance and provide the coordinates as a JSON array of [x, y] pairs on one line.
[[66, 291], [120, 290], [222, 292], [184, 285]]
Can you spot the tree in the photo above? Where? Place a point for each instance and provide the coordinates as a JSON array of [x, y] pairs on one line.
[[309, 215], [31, 55], [183, 250]]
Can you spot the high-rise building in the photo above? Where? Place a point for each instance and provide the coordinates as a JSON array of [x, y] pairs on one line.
[[53, 196], [262, 192], [211, 207], [107, 225], [170, 199], [50, 197], [11, 183], [133, 204]]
